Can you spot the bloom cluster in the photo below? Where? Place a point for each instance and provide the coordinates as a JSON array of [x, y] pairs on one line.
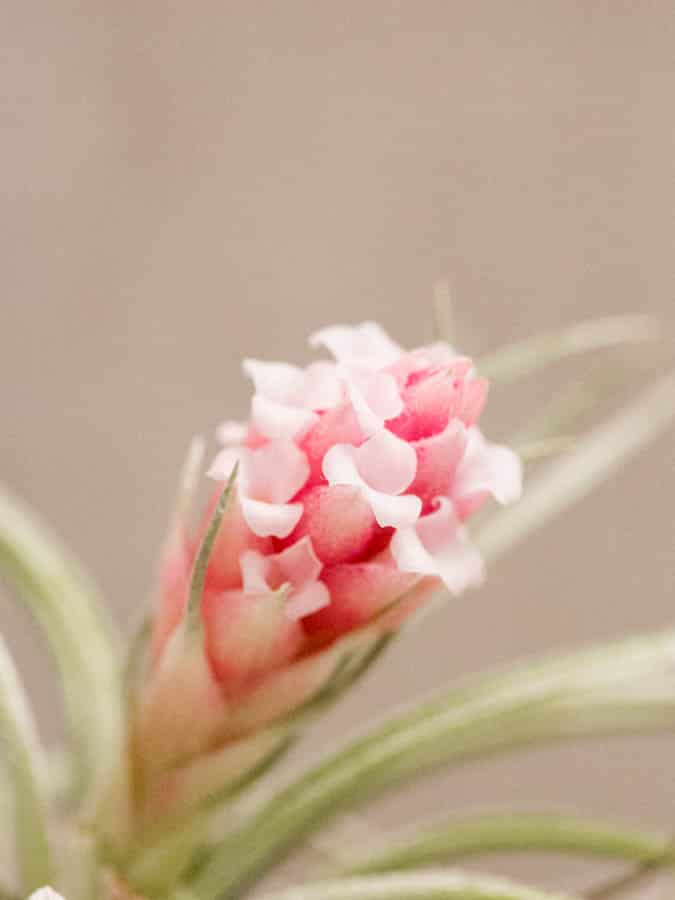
[[355, 476]]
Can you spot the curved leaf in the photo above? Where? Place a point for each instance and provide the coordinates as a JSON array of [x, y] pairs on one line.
[[431, 885], [26, 768], [514, 361], [68, 608], [515, 833], [624, 688], [568, 479]]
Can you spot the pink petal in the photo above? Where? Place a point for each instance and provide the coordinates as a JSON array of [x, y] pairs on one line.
[[174, 582], [336, 426], [339, 521], [282, 692], [358, 591], [437, 459], [271, 519], [340, 467], [280, 382], [307, 600], [298, 564], [247, 636], [278, 421], [386, 463], [275, 472], [234, 538]]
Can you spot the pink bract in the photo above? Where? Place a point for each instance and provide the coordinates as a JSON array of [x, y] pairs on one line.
[[356, 476]]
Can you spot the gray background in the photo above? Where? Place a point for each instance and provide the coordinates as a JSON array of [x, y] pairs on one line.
[[183, 183]]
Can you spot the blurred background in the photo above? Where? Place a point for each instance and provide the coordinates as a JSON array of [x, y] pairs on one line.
[[186, 183]]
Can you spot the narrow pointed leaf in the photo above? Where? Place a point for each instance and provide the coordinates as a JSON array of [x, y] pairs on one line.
[[456, 839], [444, 318], [596, 458], [68, 608], [26, 767], [430, 885], [627, 687], [522, 358], [192, 620]]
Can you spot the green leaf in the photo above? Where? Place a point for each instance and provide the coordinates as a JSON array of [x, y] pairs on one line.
[[522, 358], [623, 688], [192, 619], [443, 313], [567, 480], [431, 885], [68, 608], [511, 832], [27, 768]]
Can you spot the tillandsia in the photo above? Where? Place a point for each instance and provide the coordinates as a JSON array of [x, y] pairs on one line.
[[346, 501]]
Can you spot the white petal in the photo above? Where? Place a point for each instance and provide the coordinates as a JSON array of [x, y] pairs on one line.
[[507, 470], [375, 397], [307, 600], [279, 421], [231, 433], [271, 519], [439, 546], [322, 388], [225, 461], [393, 512], [367, 343], [45, 893], [490, 468], [254, 569], [277, 381], [276, 471], [386, 463], [410, 554], [437, 354], [339, 466]]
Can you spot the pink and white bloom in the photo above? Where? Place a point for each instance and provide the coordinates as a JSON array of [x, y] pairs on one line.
[[356, 478]]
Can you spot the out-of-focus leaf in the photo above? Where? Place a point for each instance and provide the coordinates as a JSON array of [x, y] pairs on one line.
[[69, 611], [456, 839], [595, 458], [627, 687], [430, 885], [522, 358], [26, 766]]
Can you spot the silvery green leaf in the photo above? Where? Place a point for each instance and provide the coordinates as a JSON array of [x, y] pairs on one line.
[[68, 608], [459, 838], [26, 768], [429, 885], [514, 361], [595, 458], [623, 688], [192, 619]]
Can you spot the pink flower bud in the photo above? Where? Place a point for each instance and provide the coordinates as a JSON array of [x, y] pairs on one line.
[[356, 476]]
